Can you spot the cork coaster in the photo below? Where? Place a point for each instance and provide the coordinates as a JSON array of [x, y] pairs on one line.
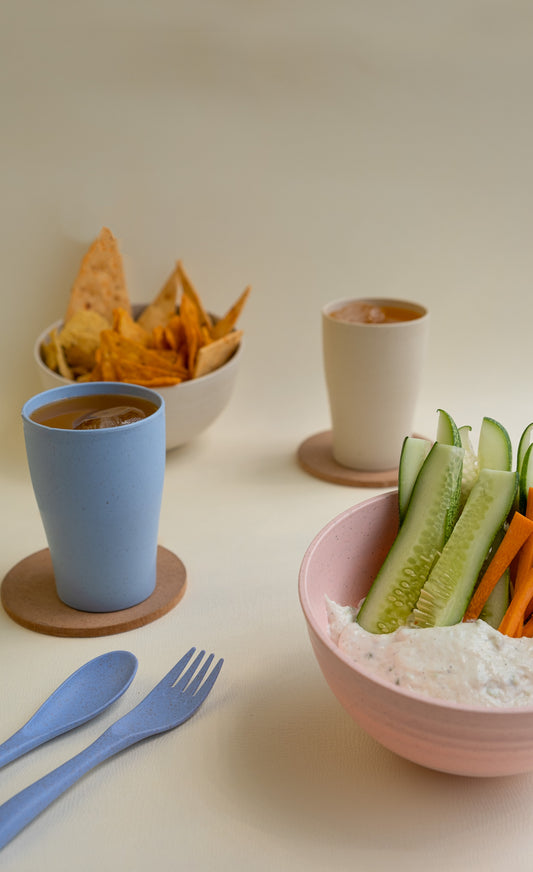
[[315, 457], [29, 597]]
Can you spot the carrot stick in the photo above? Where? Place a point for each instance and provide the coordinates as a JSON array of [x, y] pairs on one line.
[[524, 559], [513, 619], [525, 556], [528, 629], [516, 535]]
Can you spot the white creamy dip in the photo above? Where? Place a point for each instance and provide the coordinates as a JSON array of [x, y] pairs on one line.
[[468, 663]]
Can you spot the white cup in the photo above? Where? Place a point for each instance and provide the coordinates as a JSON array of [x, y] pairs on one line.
[[373, 374]]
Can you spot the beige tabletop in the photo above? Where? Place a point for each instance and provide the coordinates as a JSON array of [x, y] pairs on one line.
[[314, 150]]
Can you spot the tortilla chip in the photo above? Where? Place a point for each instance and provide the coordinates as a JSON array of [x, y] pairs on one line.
[[62, 366], [124, 325], [80, 338], [227, 323], [104, 368], [174, 334], [157, 338], [170, 338], [132, 372], [119, 353], [190, 291], [100, 284], [192, 331], [214, 355], [101, 341], [49, 354], [156, 382], [161, 309]]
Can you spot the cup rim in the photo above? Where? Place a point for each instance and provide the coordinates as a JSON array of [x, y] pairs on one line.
[[77, 389], [412, 305]]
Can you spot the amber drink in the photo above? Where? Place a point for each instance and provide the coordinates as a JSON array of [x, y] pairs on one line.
[[374, 351]]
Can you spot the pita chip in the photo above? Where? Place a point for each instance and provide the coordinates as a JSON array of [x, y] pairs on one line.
[[212, 356], [190, 291], [227, 323], [163, 307], [100, 285]]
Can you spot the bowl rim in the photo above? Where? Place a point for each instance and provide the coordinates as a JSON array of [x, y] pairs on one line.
[[324, 637], [184, 385]]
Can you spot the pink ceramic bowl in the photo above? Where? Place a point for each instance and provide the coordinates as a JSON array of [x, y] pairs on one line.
[[341, 563]]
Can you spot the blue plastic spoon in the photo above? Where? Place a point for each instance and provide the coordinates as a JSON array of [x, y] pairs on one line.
[[82, 696]]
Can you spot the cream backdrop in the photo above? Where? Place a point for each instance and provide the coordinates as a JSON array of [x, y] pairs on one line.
[[313, 150]]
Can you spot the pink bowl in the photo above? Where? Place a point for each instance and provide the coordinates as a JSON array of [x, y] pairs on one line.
[[341, 563]]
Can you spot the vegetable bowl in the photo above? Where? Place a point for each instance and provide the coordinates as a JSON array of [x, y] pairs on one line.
[[471, 740]]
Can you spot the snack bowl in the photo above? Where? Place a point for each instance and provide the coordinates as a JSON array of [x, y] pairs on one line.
[[190, 407], [341, 563]]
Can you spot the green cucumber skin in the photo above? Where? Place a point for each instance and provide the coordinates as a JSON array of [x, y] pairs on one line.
[[447, 430], [525, 479], [414, 452], [470, 465], [449, 587], [494, 446], [523, 445], [498, 602], [421, 537]]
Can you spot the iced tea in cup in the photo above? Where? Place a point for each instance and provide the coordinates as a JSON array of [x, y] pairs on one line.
[[374, 352], [96, 454]]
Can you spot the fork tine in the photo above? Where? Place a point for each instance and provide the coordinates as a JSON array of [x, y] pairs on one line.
[[195, 683], [176, 670], [207, 686], [186, 677]]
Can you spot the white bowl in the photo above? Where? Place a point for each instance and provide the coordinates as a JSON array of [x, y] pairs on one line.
[[190, 407]]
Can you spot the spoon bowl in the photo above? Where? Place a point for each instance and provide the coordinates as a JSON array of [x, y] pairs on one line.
[[83, 695]]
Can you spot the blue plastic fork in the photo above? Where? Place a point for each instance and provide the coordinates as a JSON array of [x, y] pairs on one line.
[[180, 693]]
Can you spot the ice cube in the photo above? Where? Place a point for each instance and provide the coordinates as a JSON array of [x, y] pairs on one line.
[[113, 417]]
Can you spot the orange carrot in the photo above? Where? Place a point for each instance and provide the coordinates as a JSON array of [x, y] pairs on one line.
[[513, 621], [528, 629], [524, 563], [519, 530], [525, 556]]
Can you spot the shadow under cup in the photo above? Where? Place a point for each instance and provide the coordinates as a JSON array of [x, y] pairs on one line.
[[99, 495]]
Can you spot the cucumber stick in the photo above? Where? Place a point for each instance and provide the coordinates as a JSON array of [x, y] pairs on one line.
[[525, 479], [494, 450], [420, 540], [450, 584], [414, 452], [498, 601], [523, 445], [447, 430], [470, 464]]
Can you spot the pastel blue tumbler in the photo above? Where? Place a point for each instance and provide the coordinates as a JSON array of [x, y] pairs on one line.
[[99, 495]]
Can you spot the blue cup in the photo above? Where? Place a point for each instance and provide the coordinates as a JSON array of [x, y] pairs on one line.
[[99, 495]]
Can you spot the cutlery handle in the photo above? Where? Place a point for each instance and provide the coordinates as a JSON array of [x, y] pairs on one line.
[[22, 808], [17, 745]]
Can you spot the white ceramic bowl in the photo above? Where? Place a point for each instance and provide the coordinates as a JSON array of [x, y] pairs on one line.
[[190, 407], [341, 562]]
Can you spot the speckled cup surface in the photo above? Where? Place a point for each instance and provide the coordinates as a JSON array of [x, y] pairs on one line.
[[99, 495], [341, 562]]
